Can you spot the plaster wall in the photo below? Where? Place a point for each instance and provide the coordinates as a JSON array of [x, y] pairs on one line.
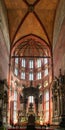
[[59, 52], [60, 15], [4, 25], [4, 58]]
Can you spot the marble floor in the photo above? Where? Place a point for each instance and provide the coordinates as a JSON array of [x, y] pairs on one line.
[[38, 128]]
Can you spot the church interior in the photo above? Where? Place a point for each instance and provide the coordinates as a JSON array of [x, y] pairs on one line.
[[32, 63]]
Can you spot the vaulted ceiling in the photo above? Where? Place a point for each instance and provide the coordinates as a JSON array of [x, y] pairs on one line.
[[31, 17]]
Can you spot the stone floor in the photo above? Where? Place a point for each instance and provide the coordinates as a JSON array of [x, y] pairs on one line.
[[37, 128]]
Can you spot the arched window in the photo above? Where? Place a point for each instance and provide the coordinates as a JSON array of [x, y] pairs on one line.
[[31, 99], [38, 62], [46, 105], [46, 95], [23, 62], [16, 60], [45, 60], [30, 76], [22, 75], [16, 71], [46, 72], [15, 107], [30, 64], [39, 75]]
